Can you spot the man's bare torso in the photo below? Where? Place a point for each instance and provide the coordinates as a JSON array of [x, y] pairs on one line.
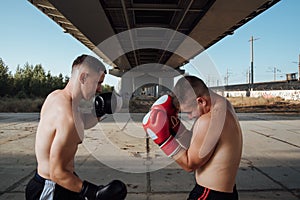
[[219, 172], [57, 109]]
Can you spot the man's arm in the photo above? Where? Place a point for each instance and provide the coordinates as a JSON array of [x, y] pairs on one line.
[[104, 103], [63, 149], [89, 120], [193, 158], [62, 154]]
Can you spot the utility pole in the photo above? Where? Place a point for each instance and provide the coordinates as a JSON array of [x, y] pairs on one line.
[[252, 60], [227, 76], [299, 68], [276, 70]]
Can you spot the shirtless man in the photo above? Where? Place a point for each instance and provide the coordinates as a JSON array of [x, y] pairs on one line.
[[59, 133], [212, 149]]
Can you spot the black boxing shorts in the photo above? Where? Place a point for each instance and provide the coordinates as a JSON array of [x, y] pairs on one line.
[[43, 189], [202, 193]]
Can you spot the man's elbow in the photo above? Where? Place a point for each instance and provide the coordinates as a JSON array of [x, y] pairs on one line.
[[190, 167], [56, 175], [187, 169], [193, 166]]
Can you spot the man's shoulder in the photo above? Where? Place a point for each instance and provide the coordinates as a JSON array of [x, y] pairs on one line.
[[59, 98], [58, 103], [203, 121], [56, 94]]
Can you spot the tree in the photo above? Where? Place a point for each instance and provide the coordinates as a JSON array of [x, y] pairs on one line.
[[32, 81], [107, 88], [58, 82], [22, 80], [6, 80]]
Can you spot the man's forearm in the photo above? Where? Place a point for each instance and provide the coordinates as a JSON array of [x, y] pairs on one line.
[[89, 120]]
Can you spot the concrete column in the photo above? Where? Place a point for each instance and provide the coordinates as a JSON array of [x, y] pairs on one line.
[[148, 75], [165, 84], [126, 89]]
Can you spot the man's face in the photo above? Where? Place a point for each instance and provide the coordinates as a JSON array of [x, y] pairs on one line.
[[92, 84], [100, 81], [191, 108]]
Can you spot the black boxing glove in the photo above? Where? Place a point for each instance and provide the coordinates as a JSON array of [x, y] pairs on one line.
[[115, 190], [107, 103]]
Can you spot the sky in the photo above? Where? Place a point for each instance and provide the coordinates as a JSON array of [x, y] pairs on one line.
[[29, 36]]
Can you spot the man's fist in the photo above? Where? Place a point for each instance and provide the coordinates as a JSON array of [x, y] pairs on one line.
[[115, 190], [156, 125], [165, 103], [107, 103], [176, 127]]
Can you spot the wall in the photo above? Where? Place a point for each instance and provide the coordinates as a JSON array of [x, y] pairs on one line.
[[285, 94]]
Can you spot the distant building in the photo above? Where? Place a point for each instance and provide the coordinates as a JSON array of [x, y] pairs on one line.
[[291, 77]]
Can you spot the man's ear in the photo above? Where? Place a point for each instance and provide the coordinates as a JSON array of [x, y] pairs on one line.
[[82, 78], [201, 100]]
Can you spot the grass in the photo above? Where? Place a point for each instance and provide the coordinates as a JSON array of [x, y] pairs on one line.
[[254, 101], [142, 104], [260, 104]]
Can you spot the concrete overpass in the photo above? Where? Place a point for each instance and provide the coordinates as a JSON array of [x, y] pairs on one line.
[[147, 41]]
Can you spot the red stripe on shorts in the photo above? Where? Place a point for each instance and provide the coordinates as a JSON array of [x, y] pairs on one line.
[[205, 194]]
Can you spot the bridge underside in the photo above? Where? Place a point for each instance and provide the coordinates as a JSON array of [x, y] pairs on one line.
[[95, 21], [147, 41]]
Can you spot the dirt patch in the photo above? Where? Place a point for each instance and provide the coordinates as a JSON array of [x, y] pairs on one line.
[[142, 104], [264, 105]]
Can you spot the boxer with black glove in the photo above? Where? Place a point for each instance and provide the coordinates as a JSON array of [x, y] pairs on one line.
[[64, 116]]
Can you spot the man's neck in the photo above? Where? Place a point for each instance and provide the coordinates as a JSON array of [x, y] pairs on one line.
[[74, 93]]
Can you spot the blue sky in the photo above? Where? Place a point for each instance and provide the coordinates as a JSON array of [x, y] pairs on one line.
[[27, 35]]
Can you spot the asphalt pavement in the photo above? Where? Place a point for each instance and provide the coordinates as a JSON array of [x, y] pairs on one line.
[[117, 149]]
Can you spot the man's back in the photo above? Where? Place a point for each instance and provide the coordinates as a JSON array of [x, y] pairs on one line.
[[220, 171]]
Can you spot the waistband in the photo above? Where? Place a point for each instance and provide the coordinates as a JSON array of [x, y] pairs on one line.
[[38, 178], [202, 189]]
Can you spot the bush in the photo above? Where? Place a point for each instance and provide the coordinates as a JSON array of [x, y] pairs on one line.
[[21, 104]]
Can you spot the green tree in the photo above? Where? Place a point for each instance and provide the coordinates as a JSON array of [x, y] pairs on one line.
[[22, 80], [38, 81], [107, 88], [58, 82], [6, 81]]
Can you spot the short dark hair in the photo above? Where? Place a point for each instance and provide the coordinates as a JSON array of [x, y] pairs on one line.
[[89, 61], [186, 85]]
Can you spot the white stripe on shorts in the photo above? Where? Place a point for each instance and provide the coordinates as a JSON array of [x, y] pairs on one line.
[[48, 191]]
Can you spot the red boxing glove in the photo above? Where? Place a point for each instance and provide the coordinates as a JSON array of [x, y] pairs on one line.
[[165, 103], [156, 125], [176, 127]]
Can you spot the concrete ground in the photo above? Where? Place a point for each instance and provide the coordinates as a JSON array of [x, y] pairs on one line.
[[117, 149]]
